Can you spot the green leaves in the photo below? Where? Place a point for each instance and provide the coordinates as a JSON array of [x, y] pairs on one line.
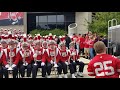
[[100, 21], [56, 32]]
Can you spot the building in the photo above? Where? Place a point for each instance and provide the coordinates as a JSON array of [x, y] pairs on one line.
[[51, 20]]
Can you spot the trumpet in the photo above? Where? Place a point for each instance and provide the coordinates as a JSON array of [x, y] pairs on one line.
[[25, 55], [10, 61], [35, 58]]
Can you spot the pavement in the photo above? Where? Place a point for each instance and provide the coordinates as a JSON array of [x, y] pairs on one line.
[[54, 73]]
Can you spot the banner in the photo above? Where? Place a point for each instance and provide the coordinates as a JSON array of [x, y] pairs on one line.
[[11, 18]]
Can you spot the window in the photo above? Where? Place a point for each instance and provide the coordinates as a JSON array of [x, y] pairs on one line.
[[60, 18], [42, 18], [54, 20], [41, 22], [60, 22], [37, 22]]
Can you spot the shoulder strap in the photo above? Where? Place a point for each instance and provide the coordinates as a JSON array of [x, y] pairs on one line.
[[21, 53], [17, 50], [43, 51], [1, 53], [57, 50], [5, 50], [48, 52]]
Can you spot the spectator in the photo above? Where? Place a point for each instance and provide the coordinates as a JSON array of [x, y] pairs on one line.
[[67, 40], [91, 43], [82, 40], [58, 40], [86, 47], [103, 65], [78, 43], [105, 41]]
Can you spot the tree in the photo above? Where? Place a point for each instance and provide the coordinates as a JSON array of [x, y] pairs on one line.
[[99, 23]]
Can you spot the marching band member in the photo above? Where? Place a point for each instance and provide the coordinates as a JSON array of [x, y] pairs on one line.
[[12, 58], [2, 55], [26, 59], [50, 57], [45, 43], [4, 42], [50, 37], [63, 61], [38, 53], [30, 41], [74, 56]]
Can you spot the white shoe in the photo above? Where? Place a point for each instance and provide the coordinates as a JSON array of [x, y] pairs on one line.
[[48, 76], [80, 74], [65, 76], [43, 77], [59, 76], [73, 76]]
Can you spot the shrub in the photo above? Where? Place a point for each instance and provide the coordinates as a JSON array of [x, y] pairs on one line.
[[56, 32]]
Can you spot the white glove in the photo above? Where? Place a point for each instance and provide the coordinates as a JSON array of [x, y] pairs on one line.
[[25, 64], [66, 63], [51, 62], [42, 64], [55, 65], [73, 61], [7, 66], [35, 55], [13, 65], [19, 17], [73, 53]]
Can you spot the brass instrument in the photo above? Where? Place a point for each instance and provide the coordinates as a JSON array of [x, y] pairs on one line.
[[10, 61], [26, 54], [55, 64], [35, 58]]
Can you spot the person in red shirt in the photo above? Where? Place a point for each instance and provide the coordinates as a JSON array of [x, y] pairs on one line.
[[26, 59], [38, 53], [91, 43], [82, 40], [12, 59], [50, 58], [63, 61], [4, 45], [74, 56], [103, 65], [86, 47], [2, 57]]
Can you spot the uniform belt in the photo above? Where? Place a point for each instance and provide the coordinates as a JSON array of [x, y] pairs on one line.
[[38, 60]]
